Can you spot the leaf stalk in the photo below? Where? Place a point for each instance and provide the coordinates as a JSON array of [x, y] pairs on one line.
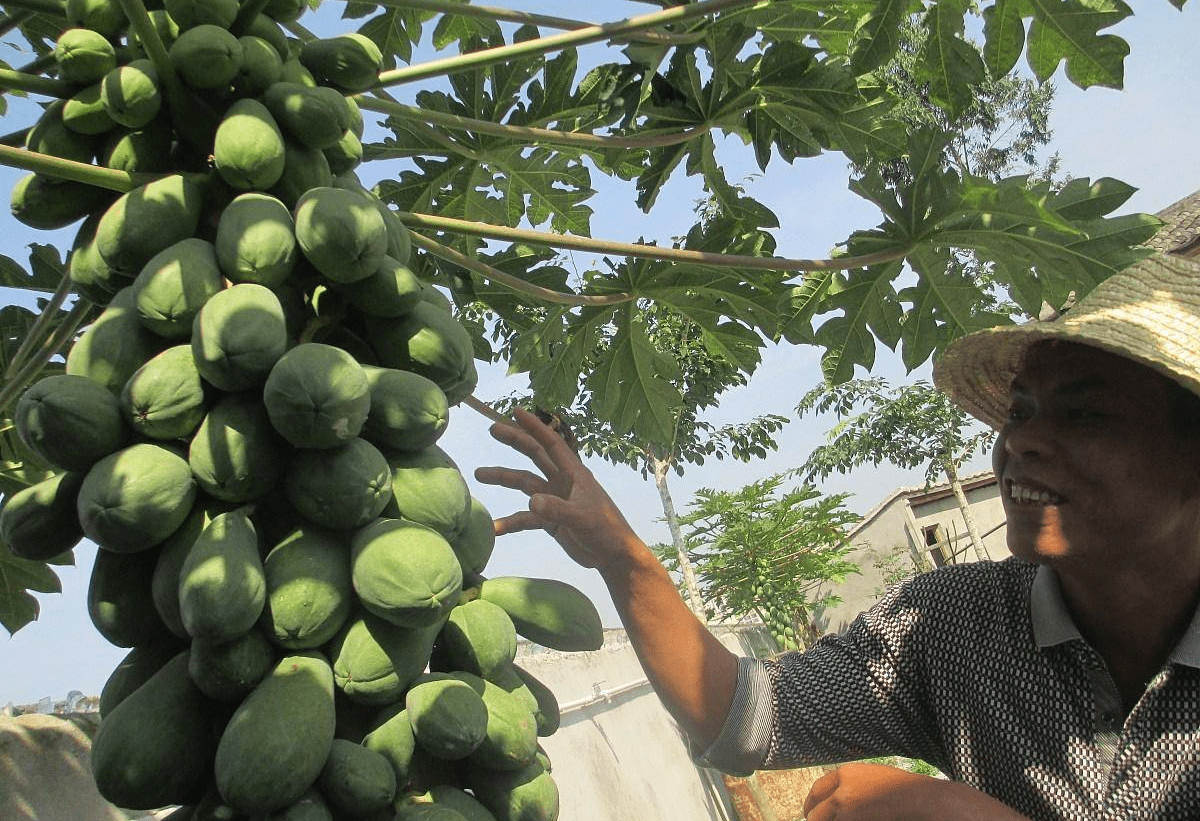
[[528, 133], [13, 80], [57, 167], [39, 6], [41, 326], [511, 282], [558, 42], [644, 251]]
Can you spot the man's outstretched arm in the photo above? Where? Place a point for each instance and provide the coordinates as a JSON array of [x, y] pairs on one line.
[[692, 672]]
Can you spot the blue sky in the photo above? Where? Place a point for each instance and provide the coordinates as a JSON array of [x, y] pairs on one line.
[[1141, 135]]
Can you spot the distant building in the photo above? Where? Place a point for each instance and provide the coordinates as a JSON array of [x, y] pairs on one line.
[[914, 528]]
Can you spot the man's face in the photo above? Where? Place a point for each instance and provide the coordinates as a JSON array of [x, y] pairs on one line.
[[1090, 466]]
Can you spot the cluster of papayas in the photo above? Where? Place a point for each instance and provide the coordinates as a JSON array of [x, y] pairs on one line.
[[248, 431]]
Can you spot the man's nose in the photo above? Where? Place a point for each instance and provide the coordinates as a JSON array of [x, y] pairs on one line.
[[1035, 434]]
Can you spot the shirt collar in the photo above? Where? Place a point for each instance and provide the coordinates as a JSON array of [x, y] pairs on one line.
[[1052, 623]]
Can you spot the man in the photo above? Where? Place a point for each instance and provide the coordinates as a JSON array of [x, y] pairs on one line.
[[1063, 683]]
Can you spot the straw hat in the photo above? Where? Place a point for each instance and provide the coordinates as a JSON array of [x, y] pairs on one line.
[[1149, 312]]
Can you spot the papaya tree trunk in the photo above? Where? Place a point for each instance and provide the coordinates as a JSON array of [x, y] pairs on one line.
[[965, 508], [692, 589]]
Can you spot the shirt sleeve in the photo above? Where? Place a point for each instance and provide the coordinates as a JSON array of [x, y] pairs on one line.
[[746, 735]]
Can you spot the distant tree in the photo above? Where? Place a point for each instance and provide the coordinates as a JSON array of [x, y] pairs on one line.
[[913, 426], [765, 550]]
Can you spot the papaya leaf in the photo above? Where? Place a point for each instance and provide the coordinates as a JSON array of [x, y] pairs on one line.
[[395, 30], [1004, 36], [18, 577], [1068, 30], [632, 385], [455, 28], [869, 309], [878, 35], [1081, 198], [951, 64], [800, 304]]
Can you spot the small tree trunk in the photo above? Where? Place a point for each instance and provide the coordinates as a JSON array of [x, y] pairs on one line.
[[685, 564], [965, 508]]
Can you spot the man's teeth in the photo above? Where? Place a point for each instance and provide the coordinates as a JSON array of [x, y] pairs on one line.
[[1028, 496]]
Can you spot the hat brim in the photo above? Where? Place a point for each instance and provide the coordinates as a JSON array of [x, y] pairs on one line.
[[1148, 313]]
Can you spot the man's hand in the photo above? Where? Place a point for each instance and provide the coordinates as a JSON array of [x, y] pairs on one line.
[[565, 500], [874, 792]]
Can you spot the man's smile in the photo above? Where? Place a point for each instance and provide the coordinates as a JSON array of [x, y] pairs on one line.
[[1027, 495]]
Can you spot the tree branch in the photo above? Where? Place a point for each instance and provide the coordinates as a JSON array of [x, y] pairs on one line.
[[13, 80], [514, 283], [109, 178], [643, 251]]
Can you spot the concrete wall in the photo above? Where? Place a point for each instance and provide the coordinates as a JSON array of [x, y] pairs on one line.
[[988, 511], [618, 755]]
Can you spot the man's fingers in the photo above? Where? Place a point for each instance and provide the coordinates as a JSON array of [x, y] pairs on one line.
[[526, 443], [517, 523], [821, 789], [559, 453], [522, 480]]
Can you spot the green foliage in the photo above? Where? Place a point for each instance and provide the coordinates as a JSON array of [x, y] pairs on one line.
[[910, 426], [766, 550]]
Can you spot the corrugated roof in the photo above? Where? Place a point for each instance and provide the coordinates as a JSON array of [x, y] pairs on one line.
[[1181, 234]]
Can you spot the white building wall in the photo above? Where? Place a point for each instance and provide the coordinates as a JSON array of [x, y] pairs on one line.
[[618, 755]]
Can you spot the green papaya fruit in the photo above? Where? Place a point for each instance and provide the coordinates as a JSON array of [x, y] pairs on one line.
[[50, 135], [341, 233], [114, 346], [135, 498], [260, 67], [356, 780], [119, 601], [317, 396], [426, 340], [547, 713], [428, 488], [479, 637], [70, 421], [83, 56], [344, 155], [303, 170], [238, 336], [399, 241], [309, 593], [235, 454], [510, 742], [39, 521], [147, 220], [310, 806], [419, 811], [206, 56], [222, 586], [285, 11], [230, 670], [462, 802], [93, 278], [164, 25], [256, 240], [391, 735], [549, 612], [164, 399], [294, 72], [527, 794], [404, 572], [138, 150], [314, 117], [104, 17], [164, 585], [47, 203], [449, 717], [408, 412], [248, 151], [155, 748], [265, 28], [173, 286], [374, 661], [278, 740], [391, 290], [473, 544], [131, 94], [84, 112], [351, 62], [340, 488], [191, 13], [134, 670]]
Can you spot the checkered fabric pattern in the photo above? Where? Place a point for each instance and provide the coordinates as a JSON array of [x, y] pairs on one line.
[[948, 669]]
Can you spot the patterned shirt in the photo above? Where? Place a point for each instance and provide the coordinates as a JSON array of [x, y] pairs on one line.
[[979, 670]]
